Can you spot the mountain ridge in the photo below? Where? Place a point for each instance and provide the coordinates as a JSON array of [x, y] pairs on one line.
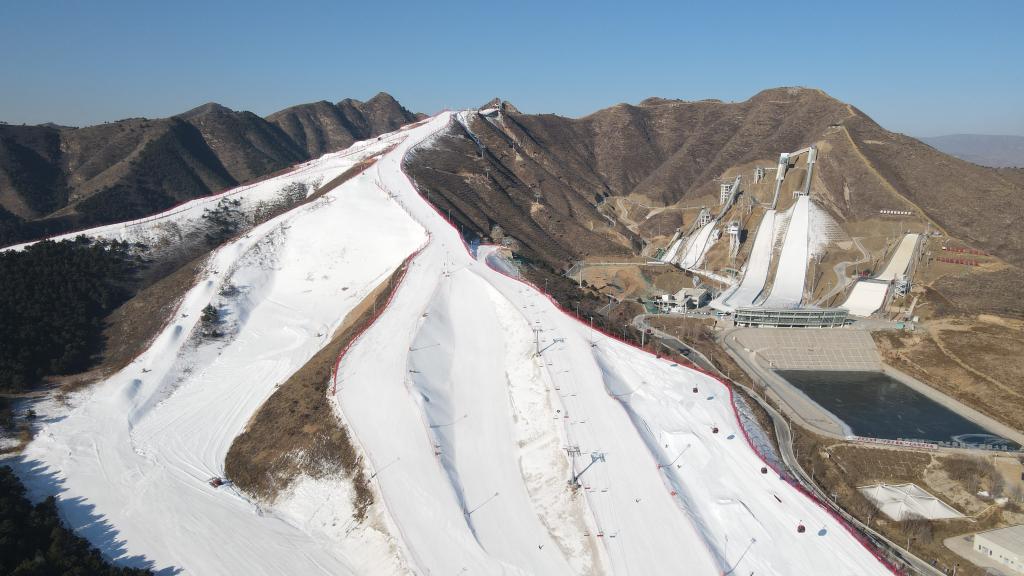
[[55, 179], [548, 174]]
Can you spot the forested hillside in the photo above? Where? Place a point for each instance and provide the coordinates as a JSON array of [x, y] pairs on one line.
[[56, 295]]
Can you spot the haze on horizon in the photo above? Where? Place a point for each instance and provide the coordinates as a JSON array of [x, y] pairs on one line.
[[920, 68]]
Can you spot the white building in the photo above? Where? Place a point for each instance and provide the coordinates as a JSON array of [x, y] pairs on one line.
[[1005, 546], [902, 501], [724, 193], [685, 299]]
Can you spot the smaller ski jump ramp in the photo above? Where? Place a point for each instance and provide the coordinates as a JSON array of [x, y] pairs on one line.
[[868, 295], [697, 246], [673, 249], [900, 260]]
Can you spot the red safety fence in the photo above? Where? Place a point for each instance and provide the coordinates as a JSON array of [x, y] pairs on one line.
[[964, 250], [957, 261], [403, 269]]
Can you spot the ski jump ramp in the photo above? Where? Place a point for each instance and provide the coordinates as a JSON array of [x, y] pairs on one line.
[[791, 274], [787, 291], [672, 251], [696, 246], [901, 258], [756, 273], [868, 295]]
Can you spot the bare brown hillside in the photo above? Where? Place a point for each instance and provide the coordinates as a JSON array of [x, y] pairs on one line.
[[322, 127], [543, 178]]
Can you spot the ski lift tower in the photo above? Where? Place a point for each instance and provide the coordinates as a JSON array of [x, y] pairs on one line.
[[595, 457]]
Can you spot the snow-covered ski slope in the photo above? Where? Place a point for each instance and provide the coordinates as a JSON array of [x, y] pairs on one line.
[[137, 450], [790, 275], [756, 272], [468, 434], [672, 251], [697, 246], [468, 430], [867, 296]]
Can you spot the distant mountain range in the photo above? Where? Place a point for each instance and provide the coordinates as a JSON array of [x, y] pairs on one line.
[[54, 178], [983, 149]]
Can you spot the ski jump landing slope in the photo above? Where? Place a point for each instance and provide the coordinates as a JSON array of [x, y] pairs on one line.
[[756, 272], [791, 274], [901, 258], [868, 295], [696, 246], [468, 434]]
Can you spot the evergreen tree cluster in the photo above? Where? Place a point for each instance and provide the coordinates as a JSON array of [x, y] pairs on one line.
[[224, 220], [53, 299], [33, 542]]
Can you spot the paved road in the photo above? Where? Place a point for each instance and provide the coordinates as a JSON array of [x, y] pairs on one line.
[[673, 344], [840, 272]]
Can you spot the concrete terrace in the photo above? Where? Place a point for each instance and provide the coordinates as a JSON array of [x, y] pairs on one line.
[[810, 349]]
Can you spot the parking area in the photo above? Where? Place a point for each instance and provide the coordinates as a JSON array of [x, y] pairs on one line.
[[811, 348]]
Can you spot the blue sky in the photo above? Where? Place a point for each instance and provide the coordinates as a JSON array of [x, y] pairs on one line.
[[920, 67]]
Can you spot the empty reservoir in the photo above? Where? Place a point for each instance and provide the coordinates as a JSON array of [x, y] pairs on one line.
[[872, 404]]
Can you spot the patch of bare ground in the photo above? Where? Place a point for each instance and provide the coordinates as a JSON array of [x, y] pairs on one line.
[[840, 467], [698, 333], [985, 292], [295, 432], [347, 175], [668, 279], [979, 361]]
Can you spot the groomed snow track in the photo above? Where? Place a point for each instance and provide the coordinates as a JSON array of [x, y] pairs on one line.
[[466, 431]]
